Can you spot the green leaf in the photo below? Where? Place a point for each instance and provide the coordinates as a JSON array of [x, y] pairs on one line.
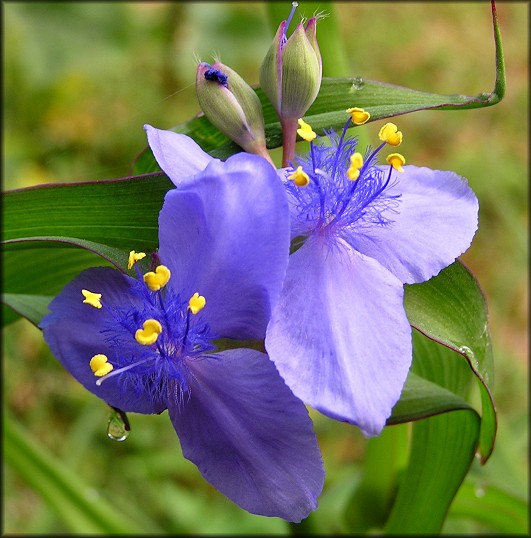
[[500, 84], [32, 275], [327, 112], [114, 256], [53, 232], [382, 100], [421, 398], [116, 213], [62, 489], [442, 449], [437, 384], [450, 308], [31, 307]]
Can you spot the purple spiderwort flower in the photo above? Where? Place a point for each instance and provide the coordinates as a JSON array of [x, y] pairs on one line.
[[339, 334], [146, 344]]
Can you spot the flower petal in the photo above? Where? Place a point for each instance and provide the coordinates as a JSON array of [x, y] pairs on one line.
[[249, 436], [226, 236], [73, 332], [177, 154], [339, 335], [436, 220]]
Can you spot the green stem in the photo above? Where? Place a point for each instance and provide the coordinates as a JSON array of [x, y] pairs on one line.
[[289, 138]]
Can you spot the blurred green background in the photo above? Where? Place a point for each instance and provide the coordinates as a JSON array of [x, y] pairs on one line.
[[81, 79]]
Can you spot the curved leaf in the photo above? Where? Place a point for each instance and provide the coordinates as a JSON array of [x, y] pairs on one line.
[[441, 446], [33, 275], [119, 213], [421, 399], [31, 307], [437, 386], [43, 265], [115, 256], [381, 99], [450, 308], [43, 224], [442, 449]]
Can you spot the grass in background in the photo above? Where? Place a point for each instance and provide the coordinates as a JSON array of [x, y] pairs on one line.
[[80, 81]]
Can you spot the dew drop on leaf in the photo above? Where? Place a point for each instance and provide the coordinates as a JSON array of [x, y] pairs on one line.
[[357, 83]]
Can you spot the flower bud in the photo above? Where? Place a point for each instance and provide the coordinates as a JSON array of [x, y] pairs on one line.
[[232, 106], [291, 72]]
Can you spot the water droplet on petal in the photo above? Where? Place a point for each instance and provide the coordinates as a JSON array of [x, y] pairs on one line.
[[118, 426]]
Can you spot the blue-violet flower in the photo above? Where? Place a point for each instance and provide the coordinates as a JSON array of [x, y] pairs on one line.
[[339, 334], [147, 344]]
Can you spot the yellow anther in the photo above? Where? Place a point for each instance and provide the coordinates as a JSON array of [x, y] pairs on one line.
[[158, 279], [356, 162], [299, 177], [100, 366], [196, 303], [359, 116], [396, 160], [93, 299], [389, 133], [149, 333], [134, 257], [305, 132]]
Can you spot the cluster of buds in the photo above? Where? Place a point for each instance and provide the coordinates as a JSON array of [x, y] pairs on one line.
[[290, 76]]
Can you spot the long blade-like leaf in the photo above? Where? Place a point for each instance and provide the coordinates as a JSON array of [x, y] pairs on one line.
[[421, 398], [437, 386], [451, 309], [42, 224], [442, 449], [31, 275], [110, 212], [31, 307], [382, 100]]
